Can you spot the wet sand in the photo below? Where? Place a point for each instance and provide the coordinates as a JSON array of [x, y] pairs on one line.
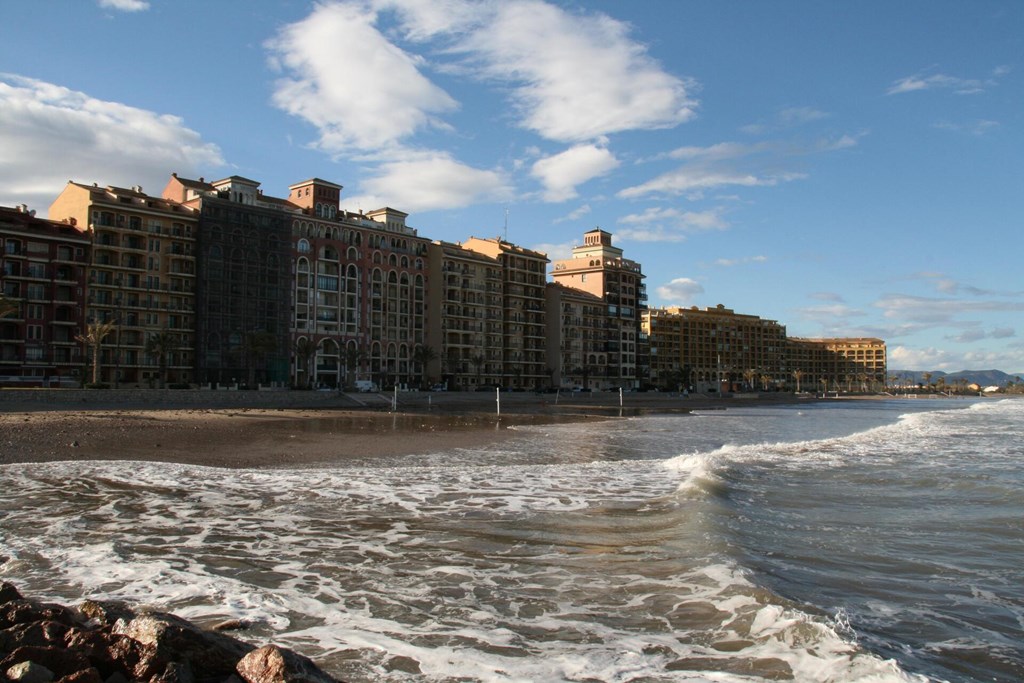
[[267, 437]]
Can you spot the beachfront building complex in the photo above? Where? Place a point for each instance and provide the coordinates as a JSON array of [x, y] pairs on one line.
[[714, 350], [576, 341], [360, 292], [43, 267], [523, 316], [219, 285], [243, 281], [609, 350], [837, 364], [466, 292], [141, 277]]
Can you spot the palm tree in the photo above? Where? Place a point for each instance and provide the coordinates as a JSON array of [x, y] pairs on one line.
[[161, 346], [8, 306], [765, 381], [95, 333], [256, 345], [750, 375], [478, 362], [798, 375], [305, 349], [353, 357], [424, 356]]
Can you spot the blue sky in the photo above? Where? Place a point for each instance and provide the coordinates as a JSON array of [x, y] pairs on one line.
[[845, 168]]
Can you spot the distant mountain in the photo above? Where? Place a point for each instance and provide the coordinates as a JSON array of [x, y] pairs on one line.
[[985, 378]]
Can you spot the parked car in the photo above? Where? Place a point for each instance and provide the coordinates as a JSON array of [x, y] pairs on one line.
[[439, 387]]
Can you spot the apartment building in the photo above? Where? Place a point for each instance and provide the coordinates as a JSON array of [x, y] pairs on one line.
[[359, 292], [243, 280], [466, 293], [714, 350], [597, 267], [523, 330], [141, 276], [576, 340], [838, 364], [43, 266]]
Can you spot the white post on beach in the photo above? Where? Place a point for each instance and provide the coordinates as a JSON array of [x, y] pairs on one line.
[[620, 397], [394, 400], [497, 399], [558, 392]]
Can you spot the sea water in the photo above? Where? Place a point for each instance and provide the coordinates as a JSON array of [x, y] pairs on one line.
[[840, 541]]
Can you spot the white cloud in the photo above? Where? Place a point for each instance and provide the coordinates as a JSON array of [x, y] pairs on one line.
[[428, 182], [575, 215], [555, 252], [906, 358], [358, 88], [789, 117], [667, 224], [125, 5], [561, 173], [680, 291], [929, 310], [358, 71], [960, 86], [730, 262], [827, 296], [575, 76], [95, 141], [979, 127], [696, 179]]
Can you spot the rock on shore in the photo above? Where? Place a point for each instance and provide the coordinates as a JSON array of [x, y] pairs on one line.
[[108, 642]]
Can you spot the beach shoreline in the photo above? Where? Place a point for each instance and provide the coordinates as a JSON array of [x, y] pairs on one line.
[[364, 429]]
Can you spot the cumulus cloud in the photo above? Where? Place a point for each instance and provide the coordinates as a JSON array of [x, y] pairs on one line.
[[555, 252], [569, 77], [907, 358], [668, 224], [95, 140], [575, 76], [354, 85], [427, 182], [562, 173], [125, 5], [680, 291], [362, 72]]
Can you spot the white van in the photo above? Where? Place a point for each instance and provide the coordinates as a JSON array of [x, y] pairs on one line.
[[365, 386]]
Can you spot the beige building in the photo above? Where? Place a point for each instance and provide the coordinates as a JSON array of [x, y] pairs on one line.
[[611, 351], [141, 275], [576, 342], [714, 350], [523, 349], [838, 364], [466, 331]]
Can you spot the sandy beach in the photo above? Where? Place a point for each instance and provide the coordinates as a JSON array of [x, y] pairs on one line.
[[288, 437]]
